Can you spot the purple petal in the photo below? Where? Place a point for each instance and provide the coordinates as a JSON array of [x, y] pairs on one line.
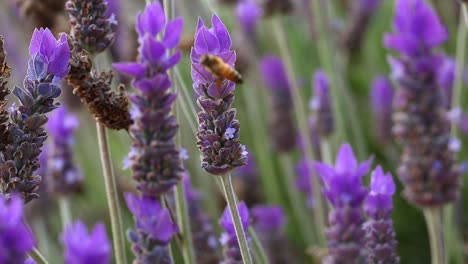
[[131, 68], [222, 33], [173, 33], [345, 160]]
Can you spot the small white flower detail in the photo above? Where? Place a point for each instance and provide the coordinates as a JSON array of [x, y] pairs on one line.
[[314, 103], [454, 115], [183, 154], [229, 134], [455, 144], [244, 150]]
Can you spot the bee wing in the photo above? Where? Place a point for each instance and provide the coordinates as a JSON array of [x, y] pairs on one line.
[[228, 57], [199, 73]]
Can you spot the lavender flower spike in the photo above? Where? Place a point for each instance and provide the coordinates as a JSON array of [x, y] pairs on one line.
[[343, 188], [232, 254], [427, 169], [154, 230], [380, 234], [82, 247], [64, 176], [15, 237], [218, 131], [154, 158], [321, 120], [282, 127], [19, 160], [381, 103]]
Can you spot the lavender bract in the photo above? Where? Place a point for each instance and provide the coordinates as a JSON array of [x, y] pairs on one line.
[[321, 120], [19, 160], [16, 240], [5, 72], [380, 234], [154, 229], [282, 127], [343, 188], [64, 176], [232, 254], [154, 158], [381, 103], [82, 247], [427, 167], [218, 131]]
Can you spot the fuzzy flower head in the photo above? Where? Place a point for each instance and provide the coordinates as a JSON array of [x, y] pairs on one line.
[[268, 218], [379, 200], [343, 183], [382, 95], [62, 125], [248, 13], [153, 52], [215, 41], [274, 74], [16, 240], [151, 217], [50, 56], [417, 29], [226, 219], [82, 247]]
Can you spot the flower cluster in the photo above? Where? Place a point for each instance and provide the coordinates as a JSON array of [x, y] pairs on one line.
[[381, 102], [15, 237], [343, 188], [154, 158], [427, 169], [82, 247], [218, 131], [380, 235], [246, 180], [92, 32], [154, 229], [5, 71], [64, 177], [228, 238], [321, 121], [19, 159], [282, 128]]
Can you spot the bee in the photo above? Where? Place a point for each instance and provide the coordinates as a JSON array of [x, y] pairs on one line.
[[220, 69]]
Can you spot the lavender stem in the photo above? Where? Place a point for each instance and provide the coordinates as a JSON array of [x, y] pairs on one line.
[[65, 211], [111, 193], [260, 255], [299, 109], [232, 204], [37, 257], [433, 218]]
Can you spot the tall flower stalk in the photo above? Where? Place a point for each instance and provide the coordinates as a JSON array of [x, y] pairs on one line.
[[218, 131], [25, 136], [427, 169]]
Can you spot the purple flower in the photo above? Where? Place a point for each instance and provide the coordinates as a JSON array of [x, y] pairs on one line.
[[282, 128], [380, 234], [381, 103], [16, 240], [64, 177], [228, 238], [29, 261], [446, 78], [154, 229], [82, 247], [303, 180], [343, 188], [151, 217], [50, 56], [248, 14], [417, 27], [427, 169], [321, 120], [220, 154], [268, 218], [154, 158]]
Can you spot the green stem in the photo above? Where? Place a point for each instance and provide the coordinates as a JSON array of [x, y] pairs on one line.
[[184, 224], [37, 257], [436, 234], [301, 115], [259, 251], [111, 193], [232, 204], [65, 211]]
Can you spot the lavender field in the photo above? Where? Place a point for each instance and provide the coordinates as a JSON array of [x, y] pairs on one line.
[[233, 131]]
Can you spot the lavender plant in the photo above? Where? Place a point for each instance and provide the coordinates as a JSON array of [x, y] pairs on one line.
[[26, 134], [229, 240], [381, 98]]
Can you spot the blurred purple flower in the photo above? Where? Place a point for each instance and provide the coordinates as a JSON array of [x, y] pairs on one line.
[[268, 218], [381, 103], [154, 158], [417, 27], [380, 234], [219, 153], [29, 261], [282, 128], [228, 238], [248, 14], [50, 56], [343, 188], [321, 120], [64, 177], [16, 240], [446, 78], [82, 247]]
